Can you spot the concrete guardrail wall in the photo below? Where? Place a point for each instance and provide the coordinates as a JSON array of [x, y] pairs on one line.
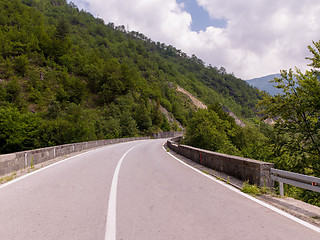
[[21, 160], [256, 172]]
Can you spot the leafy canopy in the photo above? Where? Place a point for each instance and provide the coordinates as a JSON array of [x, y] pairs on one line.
[[297, 114]]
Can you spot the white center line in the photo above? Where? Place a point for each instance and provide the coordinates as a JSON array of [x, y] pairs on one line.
[[112, 207]]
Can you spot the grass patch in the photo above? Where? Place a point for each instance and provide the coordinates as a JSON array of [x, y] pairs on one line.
[[8, 178], [254, 189], [251, 189], [32, 166], [228, 180]]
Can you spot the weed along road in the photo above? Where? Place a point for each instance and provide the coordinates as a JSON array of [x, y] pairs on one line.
[[134, 191]]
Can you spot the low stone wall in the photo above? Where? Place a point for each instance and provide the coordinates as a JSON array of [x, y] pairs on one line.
[[256, 172], [167, 134], [20, 160]]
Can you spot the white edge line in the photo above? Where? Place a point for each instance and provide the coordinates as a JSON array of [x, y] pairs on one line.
[[112, 205], [304, 223], [42, 169]]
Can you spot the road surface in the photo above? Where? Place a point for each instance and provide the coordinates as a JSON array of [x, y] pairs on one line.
[[135, 191]]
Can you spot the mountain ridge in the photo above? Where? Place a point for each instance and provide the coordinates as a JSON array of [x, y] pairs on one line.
[[264, 84]]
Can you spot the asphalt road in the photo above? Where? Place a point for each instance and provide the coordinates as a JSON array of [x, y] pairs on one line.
[[134, 191]]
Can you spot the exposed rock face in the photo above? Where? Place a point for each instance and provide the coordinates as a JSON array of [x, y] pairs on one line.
[[201, 105], [231, 114], [194, 100], [170, 117], [269, 121]]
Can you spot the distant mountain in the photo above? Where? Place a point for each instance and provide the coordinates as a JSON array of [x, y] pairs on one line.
[[263, 84]]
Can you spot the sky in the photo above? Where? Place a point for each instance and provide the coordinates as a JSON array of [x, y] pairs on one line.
[[249, 38]]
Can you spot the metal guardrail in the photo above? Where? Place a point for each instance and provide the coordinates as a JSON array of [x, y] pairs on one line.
[[295, 179]]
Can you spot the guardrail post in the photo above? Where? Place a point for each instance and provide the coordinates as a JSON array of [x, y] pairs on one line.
[[281, 189]]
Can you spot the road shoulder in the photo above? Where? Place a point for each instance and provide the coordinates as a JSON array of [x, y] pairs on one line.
[[299, 209]]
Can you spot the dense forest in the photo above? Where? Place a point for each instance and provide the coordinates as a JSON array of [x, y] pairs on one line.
[[66, 76]]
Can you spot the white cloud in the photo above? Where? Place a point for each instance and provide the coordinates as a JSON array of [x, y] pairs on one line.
[[266, 35], [261, 36]]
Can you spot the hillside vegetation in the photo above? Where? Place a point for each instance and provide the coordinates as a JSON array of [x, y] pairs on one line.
[[66, 76]]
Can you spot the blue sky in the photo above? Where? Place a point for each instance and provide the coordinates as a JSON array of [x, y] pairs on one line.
[[249, 38], [200, 16]]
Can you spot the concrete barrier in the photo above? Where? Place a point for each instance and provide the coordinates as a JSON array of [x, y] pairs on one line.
[[167, 134], [256, 172], [16, 161]]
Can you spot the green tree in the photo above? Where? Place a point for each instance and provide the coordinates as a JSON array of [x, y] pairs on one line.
[[297, 111], [252, 143], [21, 64], [128, 125], [62, 29], [165, 126], [13, 90], [206, 130], [112, 128], [143, 119], [157, 118], [18, 131]]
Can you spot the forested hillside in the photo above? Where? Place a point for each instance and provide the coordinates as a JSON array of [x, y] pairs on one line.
[[66, 76]]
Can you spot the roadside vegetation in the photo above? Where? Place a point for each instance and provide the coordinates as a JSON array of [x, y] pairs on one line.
[[254, 190], [292, 143]]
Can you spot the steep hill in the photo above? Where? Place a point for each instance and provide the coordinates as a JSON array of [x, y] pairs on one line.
[[263, 84], [66, 76]]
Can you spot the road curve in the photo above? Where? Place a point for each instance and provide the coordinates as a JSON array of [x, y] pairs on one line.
[[155, 197]]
